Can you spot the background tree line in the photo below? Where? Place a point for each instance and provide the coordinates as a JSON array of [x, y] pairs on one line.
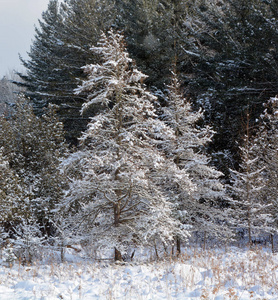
[[225, 51]]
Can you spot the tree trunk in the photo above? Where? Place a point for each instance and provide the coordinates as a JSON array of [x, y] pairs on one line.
[[117, 213], [205, 240], [249, 227], [156, 252], [132, 255], [62, 254], [118, 255], [178, 246], [272, 242]]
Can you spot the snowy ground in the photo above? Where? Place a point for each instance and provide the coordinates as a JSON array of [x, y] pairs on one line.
[[223, 274]]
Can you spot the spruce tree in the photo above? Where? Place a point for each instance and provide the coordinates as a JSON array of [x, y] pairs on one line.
[[252, 210], [118, 187], [61, 46], [268, 141], [45, 70], [202, 208]]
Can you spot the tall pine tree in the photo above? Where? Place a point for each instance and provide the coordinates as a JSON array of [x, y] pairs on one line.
[[188, 151], [251, 211], [60, 48], [118, 187], [268, 143]]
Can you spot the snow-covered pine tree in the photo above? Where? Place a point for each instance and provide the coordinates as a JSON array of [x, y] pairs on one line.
[[116, 198], [15, 215], [251, 210], [268, 141], [188, 151], [33, 147]]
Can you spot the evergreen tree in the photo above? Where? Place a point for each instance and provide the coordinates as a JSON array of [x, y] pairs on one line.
[[60, 48], [268, 141], [8, 94], [152, 29], [68, 30], [11, 194], [252, 210], [45, 69], [231, 63], [118, 189], [188, 151], [33, 147]]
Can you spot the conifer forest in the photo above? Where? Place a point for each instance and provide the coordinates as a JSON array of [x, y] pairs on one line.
[[143, 126]]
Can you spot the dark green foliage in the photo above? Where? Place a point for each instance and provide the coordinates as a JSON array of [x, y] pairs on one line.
[[147, 26], [225, 53], [235, 62], [45, 67], [68, 30], [33, 148], [11, 192], [60, 48], [152, 30]]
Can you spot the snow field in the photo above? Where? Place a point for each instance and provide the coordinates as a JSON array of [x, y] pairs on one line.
[[197, 274]]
